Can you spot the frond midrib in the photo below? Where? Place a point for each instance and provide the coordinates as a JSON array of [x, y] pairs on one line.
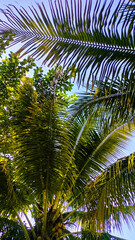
[[103, 46]]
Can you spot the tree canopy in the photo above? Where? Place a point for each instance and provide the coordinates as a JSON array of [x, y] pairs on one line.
[[60, 155], [56, 162]]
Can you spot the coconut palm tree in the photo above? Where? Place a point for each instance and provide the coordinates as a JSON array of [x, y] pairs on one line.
[[59, 165], [92, 36], [60, 169]]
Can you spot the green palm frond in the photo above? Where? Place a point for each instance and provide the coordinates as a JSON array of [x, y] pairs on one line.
[[43, 141], [8, 198], [111, 98], [85, 36], [14, 194], [98, 149], [113, 191], [89, 138], [94, 146]]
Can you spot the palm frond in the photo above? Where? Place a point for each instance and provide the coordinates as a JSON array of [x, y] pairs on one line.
[[95, 145], [129, 12], [114, 190], [42, 141], [85, 36], [112, 98], [14, 194]]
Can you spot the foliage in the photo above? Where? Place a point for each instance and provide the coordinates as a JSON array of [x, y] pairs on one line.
[[59, 157], [10, 230], [56, 82], [56, 162], [11, 71], [5, 39]]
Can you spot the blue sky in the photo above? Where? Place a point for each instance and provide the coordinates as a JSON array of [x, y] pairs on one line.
[[128, 232]]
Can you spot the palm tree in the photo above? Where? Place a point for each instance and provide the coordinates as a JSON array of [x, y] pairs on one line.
[[95, 39], [55, 165], [75, 174]]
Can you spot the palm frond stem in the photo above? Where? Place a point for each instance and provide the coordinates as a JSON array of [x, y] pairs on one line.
[[22, 225], [45, 200], [70, 202], [65, 208], [74, 210], [30, 224], [96, 100]]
